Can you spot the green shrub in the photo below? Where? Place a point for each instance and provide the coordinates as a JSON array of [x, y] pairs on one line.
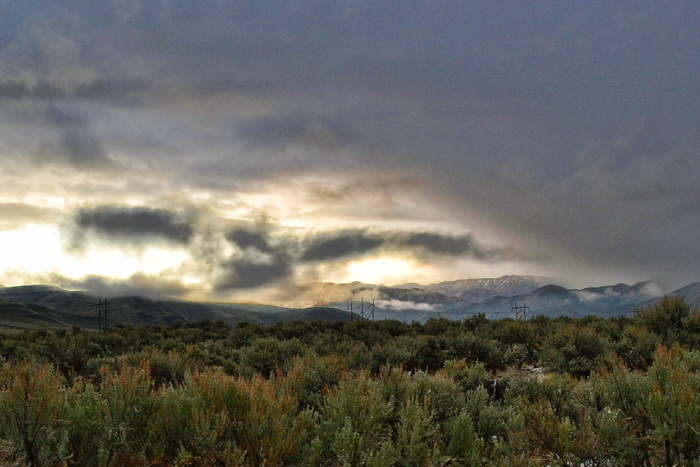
[[128, 408], [469, 376], [311, 376], [674, 406], [668, 318], [267, 354], [418, 441], [82, 426], [356, 421], [191, 422], [574, 350], [464, 446], [31, 408], [637, 346]]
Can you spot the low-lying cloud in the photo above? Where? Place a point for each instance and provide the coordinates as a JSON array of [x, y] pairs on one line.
[[264, 261], [134, 224], [244, 238], [399, 305], [442, 244], [247, 257], [341, 244], [348, 243], [145, 285], [246, 273]]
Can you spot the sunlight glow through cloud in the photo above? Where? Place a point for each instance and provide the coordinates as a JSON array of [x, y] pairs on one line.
[[38, 249], [387, 270]]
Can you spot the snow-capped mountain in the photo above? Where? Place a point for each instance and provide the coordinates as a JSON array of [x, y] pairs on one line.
[[506, 286]]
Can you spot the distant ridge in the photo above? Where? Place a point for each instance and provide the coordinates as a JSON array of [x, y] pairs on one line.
[[691, 292], [508, 286]]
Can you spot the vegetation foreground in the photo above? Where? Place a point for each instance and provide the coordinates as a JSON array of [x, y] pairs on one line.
[[474, 392]]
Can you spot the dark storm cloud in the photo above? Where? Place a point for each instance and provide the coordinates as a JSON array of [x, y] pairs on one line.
[[261, 259], [440, 244], [135, 223], [266, 260], [352, 243], [445, 245], [340, 245], [244, 238], [245, 273]]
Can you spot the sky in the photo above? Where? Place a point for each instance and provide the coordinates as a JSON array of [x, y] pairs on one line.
[[223, 150]]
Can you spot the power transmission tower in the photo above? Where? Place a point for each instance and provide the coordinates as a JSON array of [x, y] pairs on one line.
[[102, 308], [520, 312], [361, 307]]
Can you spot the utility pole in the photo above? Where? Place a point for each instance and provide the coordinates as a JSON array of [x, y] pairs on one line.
[[350, 308]]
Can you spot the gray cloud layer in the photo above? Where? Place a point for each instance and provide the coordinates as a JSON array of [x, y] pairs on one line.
[[340, 245], [261, 255], [570, 128], [244, 238], [245, 274], [137, 284], [134, 224], [14, 215], [348, 243], [282, 256]]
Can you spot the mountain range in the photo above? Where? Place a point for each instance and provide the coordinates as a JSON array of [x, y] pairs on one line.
[[496, 298], [41, 306]]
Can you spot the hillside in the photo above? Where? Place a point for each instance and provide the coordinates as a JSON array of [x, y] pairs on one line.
[[38, 306]]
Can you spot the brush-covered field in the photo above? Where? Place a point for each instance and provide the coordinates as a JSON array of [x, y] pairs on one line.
[[622, 391]]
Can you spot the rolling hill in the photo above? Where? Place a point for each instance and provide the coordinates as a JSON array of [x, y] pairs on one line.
[[39, 306]]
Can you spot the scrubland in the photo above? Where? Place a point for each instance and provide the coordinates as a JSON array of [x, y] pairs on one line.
[[590, 391]]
